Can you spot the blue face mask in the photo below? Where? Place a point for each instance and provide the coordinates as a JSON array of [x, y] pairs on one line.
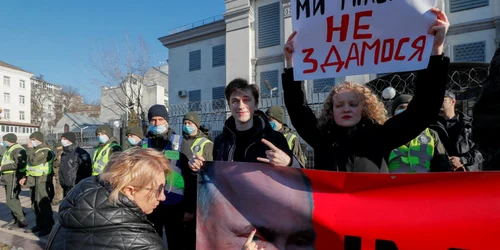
[[132, 141], [4, 143], [102, 139], [399, 111], [188, 129], [158, 129], [65, 143], [273, 125], [34, 144]]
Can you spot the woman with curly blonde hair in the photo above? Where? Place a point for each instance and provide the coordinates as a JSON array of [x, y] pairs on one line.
[[352, 132]]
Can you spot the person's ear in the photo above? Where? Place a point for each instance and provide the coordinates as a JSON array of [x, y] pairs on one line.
[[129, 191]]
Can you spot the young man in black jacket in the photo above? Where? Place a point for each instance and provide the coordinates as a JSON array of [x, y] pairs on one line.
[[75, 164], [247, 134]]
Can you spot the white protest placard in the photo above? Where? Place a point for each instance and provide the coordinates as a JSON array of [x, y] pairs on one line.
[[352, 37]]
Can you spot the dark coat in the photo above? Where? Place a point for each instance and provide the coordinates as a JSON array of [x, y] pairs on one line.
[[75, 165], [458, 141], [486, 123], [363, 148], [225, 143], [88, 220]]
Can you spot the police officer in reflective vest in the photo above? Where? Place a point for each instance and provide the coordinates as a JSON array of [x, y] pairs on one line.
[[276, 116], [107, 146], [39, 167], [135, 136], [425, 153], [197, 140], [12, 168], [170, 213]]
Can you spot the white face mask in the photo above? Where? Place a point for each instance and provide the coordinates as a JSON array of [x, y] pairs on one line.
[[65, 143], [34, 143]]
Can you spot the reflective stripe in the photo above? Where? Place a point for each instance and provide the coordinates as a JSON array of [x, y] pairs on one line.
[[289, 138], [199, 145], [41, 169], [174, 182], [101, 159], [7, 159], [414, 158]]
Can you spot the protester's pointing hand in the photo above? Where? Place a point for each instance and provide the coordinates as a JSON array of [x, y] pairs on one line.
[[439, 30], [249, 244], [196, 163], [289, 49], [275, 156]]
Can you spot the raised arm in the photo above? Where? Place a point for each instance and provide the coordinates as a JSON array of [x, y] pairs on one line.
[[302, 117], [429, 94]]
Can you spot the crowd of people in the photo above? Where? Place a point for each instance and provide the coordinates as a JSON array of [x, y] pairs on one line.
[[130, 198]]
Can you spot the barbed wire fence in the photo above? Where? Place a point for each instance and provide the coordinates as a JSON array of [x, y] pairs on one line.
[[464, 79]]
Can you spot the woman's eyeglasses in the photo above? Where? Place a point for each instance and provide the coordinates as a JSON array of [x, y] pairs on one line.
[[158, 190]]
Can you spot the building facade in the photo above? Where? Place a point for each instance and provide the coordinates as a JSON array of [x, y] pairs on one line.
[[474, 34], [137, 92], [15, 102], [247, 42]]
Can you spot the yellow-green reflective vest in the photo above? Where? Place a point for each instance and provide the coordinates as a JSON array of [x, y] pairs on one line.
[[174, 181], [7, 159], [199, 145], [415, 157], [101, 159], [289, 138], [42, 169]]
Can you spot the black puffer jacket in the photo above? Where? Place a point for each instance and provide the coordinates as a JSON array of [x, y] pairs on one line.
[[75, 166], [363, 148], [87, 220]]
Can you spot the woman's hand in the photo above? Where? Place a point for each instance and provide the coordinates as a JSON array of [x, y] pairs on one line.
[[288, 50], [439, 30]]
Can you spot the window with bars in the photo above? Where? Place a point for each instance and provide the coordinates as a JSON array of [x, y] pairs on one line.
[[269, 81], [218, 98], [195, 60], [323, 85], [194, 100], [269, 25], [459, 5], [470, 52], [219, 55]]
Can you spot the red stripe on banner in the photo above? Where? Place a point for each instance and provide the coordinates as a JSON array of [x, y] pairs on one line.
[[406, 211]]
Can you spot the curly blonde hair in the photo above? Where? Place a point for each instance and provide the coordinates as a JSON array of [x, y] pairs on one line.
[[373, 108]]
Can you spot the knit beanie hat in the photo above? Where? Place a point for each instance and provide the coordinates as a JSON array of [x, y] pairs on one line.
[[12, 138], [401, 99], [37, 135], [104, 129], [70, 136], [158, 110], [135, 130], [277, 113], [194, 117]]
